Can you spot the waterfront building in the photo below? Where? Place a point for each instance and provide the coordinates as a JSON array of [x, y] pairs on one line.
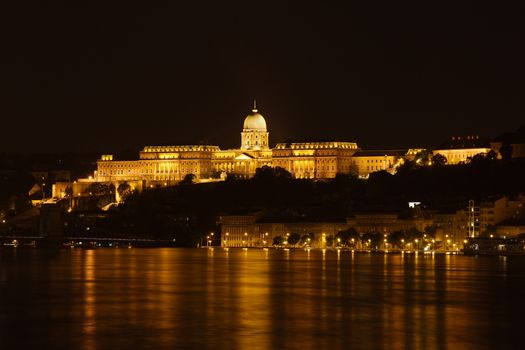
[[259, 229], [386, 223], [255, 230], [451, 228], [494, 212]]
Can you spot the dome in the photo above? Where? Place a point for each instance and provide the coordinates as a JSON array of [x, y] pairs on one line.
[[255, 121]]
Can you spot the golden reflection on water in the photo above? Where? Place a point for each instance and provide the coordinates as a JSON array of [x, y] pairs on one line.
[[89, 323], [265, 299]]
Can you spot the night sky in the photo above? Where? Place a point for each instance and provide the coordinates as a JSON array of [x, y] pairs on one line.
[[107, 76]]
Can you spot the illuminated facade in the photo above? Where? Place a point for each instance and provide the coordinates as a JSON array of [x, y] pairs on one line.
[[314, 160], [367, 162], [166, 165], [247, 231], [462, 149]]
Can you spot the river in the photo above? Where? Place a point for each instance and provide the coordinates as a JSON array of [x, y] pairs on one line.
[[173, 298]]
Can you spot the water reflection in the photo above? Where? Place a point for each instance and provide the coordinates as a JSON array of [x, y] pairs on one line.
[[89, 302], [251, 299]]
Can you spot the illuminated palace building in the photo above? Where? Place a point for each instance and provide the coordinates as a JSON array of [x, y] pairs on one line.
[[164, 165]]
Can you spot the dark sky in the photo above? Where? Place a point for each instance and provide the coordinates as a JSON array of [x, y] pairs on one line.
[[86, 76]]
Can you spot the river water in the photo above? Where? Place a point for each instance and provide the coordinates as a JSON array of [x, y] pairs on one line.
[[199, 298]]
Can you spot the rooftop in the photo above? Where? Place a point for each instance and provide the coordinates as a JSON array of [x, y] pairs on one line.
[[469, 141], [381, 152]]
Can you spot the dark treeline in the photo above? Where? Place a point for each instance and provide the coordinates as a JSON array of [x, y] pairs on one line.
[[186, 211]]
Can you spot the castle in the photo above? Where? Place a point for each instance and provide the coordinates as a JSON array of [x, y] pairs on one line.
[[167, 165]]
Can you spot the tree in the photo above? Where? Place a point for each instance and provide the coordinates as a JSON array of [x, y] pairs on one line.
[[506, 151], [216, 174], [478, 158], [396, 238], [278, 240], [439, 160], [374, 239], [100, 189], [124, 190], [330, 241], [267, 173], [423, 157], [294, 238], [307, 238], [406, 166], [491, 155], [346, 236], [101, 194], [430, 231], [413, 235], [188, 179], [231, 178]]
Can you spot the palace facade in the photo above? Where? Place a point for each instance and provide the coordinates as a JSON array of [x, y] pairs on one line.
[[165, 165]]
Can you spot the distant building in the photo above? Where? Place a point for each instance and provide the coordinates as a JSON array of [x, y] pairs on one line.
[[258, 230], [315, 160], [451, 227], [510, 228], [166, 165], [511, 143], [369, 161], [460, 149], [494, 212], [253, 230], [386, 223]]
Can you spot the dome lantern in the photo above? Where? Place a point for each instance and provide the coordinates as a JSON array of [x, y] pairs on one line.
[[254, 120]]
